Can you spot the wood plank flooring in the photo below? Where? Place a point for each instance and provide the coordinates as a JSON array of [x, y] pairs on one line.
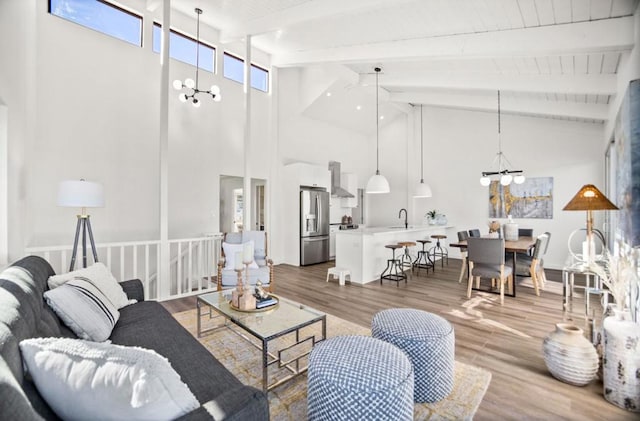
[[506, 340]]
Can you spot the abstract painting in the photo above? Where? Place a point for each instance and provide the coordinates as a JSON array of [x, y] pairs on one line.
[[531, 199]]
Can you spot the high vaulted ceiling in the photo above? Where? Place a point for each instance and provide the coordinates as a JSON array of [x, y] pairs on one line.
[[549, 58]]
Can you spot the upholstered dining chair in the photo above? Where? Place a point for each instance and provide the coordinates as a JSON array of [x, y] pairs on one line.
[[261, 269], [533, 265], [474, 233], [525, 232], [486, 260], [462, 236]]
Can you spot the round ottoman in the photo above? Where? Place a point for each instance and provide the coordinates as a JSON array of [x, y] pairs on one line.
[[428, 340], [359, 378]]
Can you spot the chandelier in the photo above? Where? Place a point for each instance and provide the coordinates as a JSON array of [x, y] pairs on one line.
[[506, 175], [214, 91]]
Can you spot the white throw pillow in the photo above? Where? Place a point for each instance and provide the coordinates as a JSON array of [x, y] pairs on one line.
[[86, 380], [230, 251], [100, 276], [86, 310]]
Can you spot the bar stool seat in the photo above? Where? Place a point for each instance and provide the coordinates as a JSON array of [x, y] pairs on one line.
[[405, 258], [438, 250], [393, 271], [423, 261]]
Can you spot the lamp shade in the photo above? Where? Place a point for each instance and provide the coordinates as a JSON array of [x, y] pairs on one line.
[[589, 198], [378, 184], [422, 190], [80, 194]]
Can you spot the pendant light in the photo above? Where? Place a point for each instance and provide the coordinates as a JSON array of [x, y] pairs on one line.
[[422, 189], [190, 84], [377, 183], [505, 174]]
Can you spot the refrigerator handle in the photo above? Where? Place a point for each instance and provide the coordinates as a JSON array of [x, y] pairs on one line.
[[319, 220]]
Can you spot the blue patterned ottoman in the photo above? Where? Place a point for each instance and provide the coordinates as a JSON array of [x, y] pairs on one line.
[[428, 340], [359, 378]]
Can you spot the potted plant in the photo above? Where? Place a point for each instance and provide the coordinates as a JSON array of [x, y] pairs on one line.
[[435, 218]]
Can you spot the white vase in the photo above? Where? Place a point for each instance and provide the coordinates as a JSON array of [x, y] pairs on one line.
[[621, 362], [569, 356]]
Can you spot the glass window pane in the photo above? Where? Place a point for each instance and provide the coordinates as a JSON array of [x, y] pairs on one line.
[[233, 68], [259, 79], [100, 16], [184, 49]]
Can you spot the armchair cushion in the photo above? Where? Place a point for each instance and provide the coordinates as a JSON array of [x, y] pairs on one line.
[[230, 250]]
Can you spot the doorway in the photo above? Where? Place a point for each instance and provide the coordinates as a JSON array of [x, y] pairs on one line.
[[232, 204]]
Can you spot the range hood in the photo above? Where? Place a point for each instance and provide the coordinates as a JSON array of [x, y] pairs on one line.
[[336, 189]]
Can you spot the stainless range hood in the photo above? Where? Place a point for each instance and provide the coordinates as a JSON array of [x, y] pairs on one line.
[[336, 190]]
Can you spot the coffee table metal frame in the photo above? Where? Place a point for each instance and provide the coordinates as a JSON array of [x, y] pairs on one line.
[[219, 303]]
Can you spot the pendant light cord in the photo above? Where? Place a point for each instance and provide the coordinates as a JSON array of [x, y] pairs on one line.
[[421, 149], [377, 69]]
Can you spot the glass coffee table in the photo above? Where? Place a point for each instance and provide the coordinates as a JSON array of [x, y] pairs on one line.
[[287, 317]]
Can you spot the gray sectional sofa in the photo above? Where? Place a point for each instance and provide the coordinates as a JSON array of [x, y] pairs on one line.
[[24, 314]]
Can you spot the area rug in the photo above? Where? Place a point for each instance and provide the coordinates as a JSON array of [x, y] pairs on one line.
[[289, 400]]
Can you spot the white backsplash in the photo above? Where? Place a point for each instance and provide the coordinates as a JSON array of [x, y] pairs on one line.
[[336, 212]]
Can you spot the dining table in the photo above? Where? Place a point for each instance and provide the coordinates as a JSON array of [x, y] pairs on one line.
[[521, 245]]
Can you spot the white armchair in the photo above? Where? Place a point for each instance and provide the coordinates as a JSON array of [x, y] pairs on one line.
[[262, 271]]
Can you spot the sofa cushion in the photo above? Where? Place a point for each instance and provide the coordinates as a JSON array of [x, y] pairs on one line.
[[84, 308], [100, 276], [80, 379], [150, 326]]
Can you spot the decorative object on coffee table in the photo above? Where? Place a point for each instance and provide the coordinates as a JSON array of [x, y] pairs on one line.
[[569, 356]]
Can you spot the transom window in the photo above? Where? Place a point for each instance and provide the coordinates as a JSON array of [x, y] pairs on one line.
[[101, 16], [234, 70], [183, 48]]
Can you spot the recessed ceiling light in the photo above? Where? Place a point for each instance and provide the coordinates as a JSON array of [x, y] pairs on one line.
[[358, 107], [328, 93]]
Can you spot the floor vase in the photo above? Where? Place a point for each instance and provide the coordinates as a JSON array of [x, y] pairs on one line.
[[621, 362], [569, 356]]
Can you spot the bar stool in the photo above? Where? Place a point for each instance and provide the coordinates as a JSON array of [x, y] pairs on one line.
[[438, 250], [405, 258], [423, 260], [393, 271]]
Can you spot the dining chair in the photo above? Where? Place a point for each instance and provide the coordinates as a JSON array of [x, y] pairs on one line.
[[486, 260], [462, 236], [525, 232], [474, 233], [532, 265]]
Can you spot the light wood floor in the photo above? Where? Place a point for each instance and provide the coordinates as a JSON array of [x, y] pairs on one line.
[[505, 340]]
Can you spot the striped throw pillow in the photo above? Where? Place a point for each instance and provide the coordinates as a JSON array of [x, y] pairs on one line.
[[84, 309]]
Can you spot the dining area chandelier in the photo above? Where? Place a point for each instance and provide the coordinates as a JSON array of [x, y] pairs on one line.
[[503, 173], [190, 84]]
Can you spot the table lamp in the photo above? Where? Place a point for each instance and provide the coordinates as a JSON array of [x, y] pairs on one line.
[[589, 198], [81, 194]]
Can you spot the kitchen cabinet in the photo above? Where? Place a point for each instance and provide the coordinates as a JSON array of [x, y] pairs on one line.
[[333, 229], [310, 175], [349, 182]]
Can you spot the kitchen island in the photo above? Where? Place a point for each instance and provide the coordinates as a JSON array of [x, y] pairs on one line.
[[363, 250]]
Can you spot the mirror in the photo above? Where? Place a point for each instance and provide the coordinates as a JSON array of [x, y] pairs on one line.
[[232, 203]]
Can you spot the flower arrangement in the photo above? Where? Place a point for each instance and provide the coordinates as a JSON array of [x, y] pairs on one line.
[[494, 226], [618, 273], [432, 214]]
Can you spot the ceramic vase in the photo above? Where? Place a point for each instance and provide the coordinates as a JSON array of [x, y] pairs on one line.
[[621, 362], [569, 356]]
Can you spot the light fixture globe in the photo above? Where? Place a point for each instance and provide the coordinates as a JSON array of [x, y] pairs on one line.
[[215, 90], [189, 83], [505, 180], [378, 184], [422, 190], [182, 97], [177, 84], [518, 179], [485, 181]]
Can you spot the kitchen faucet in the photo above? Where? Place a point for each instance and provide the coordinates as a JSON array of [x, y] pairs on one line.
[[406, 225]]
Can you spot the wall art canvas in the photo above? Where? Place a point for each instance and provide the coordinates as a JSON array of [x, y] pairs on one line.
[[531, 199]]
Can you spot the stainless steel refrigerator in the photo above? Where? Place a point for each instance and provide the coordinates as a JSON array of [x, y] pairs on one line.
[[314, 226]]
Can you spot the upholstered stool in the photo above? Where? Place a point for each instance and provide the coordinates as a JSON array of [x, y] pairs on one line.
[[393, 271], [341, 273], [423, 261], [405, 258], [428, 340], [438, 250], [359, 378]]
